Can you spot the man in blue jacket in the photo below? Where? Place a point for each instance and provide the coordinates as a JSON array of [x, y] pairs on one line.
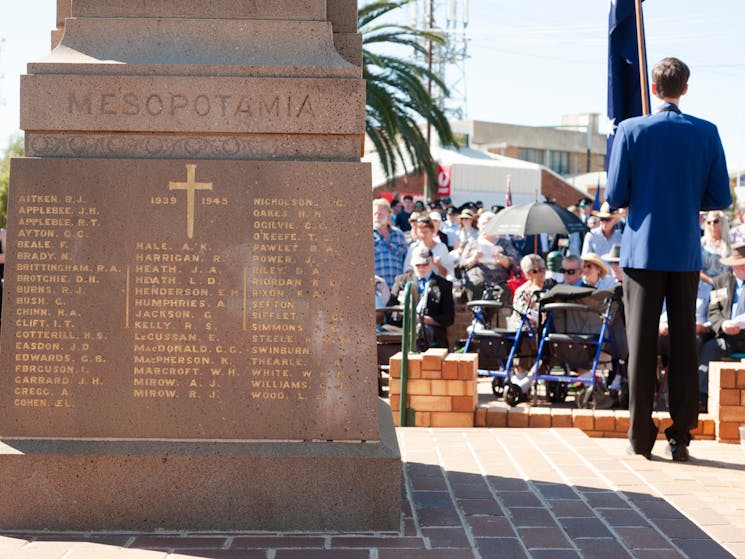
[[665, 168]]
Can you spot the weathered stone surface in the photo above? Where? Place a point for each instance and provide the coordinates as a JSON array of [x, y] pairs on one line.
[[197, 41], [193, 104], [225, 9], [305, 147], [231, 308], [343, 15], [216, 486], [349, 46]]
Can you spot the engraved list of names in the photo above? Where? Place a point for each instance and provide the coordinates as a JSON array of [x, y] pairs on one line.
[[187, 300]]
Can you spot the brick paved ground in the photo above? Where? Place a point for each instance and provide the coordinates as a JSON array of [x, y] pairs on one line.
[[488, 493]]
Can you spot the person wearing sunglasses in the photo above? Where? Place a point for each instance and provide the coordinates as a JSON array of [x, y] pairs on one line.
[[715, 245], [534, 269], [571, 269]]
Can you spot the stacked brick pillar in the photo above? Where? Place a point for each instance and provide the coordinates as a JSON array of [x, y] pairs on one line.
[[727, 399], [441, 388]]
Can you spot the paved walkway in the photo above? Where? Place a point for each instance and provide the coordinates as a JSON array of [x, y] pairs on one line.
[[494, 493]]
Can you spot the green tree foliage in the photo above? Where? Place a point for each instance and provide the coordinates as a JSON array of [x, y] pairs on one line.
[[397, 96], [13, 149]]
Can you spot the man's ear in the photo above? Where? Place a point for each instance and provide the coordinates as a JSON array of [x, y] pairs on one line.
[[654, 89], [685, 90]]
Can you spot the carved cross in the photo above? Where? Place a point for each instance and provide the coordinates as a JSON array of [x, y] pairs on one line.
[[191, 185]]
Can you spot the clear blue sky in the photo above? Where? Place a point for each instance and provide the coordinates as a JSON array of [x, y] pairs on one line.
[[530, 61]]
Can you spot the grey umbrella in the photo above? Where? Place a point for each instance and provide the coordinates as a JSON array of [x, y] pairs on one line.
[[534, 218]]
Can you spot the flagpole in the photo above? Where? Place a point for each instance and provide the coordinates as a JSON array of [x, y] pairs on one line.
[[642, 57]]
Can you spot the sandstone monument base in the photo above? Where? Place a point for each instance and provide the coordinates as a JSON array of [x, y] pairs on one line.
[[176, 485]]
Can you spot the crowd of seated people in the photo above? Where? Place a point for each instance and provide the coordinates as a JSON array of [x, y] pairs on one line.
[[462, 252]]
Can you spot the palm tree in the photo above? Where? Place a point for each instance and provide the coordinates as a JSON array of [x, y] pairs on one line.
[[397, 95]]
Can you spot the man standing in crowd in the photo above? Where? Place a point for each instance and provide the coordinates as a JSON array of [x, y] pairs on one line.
[[402, 218], [601, 239], [665, 168], [389, 243]]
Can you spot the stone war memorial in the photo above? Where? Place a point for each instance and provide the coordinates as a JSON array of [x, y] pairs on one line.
[[187, 337]]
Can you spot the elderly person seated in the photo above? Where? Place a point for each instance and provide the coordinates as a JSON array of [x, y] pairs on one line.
[[571, 270], [593, 270], [436, 308], [534, 269], [487, 260]]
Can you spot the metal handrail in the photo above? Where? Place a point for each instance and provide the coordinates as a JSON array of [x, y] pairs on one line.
[[408, 343]]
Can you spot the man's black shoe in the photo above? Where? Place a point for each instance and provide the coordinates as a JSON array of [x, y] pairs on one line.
[[678, 451]]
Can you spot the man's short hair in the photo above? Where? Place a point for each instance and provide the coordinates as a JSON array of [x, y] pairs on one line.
[[381, 202], [409, 197], [670, 76], [573, 259]]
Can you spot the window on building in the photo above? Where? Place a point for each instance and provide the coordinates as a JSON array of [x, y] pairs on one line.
[[558, 161], [532, 155]]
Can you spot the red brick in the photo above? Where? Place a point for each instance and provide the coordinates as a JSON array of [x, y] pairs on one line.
[[394, 365], [540, 417], [431, 375], [727, 378], [464, 403], [395, 401], [452, 419], [419, 387], [728, 432], [450, 366], [457, 388], [415, 365], [742, 397], [561, 417], [431, 403], [593, 433], [496, 417], [518, 417], [709, 428], [741, 379], [605, 420], [432, 358], [480, 417], [468, 366], [729, 398], [622, 423], [423, 419], [584, 419], [439, 388], [732, 413], [394, 386]]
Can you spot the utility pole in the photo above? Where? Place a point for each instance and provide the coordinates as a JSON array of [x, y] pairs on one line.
[[449, 19]]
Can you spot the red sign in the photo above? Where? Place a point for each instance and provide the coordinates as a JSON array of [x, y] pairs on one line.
[[443, 180]]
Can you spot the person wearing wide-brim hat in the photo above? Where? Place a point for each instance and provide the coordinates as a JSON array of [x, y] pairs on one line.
[[601, 239], [613, 257], [593, 269], [465, 233]]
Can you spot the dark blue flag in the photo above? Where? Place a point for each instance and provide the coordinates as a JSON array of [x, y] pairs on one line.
[[624, 81], [596, 203]]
